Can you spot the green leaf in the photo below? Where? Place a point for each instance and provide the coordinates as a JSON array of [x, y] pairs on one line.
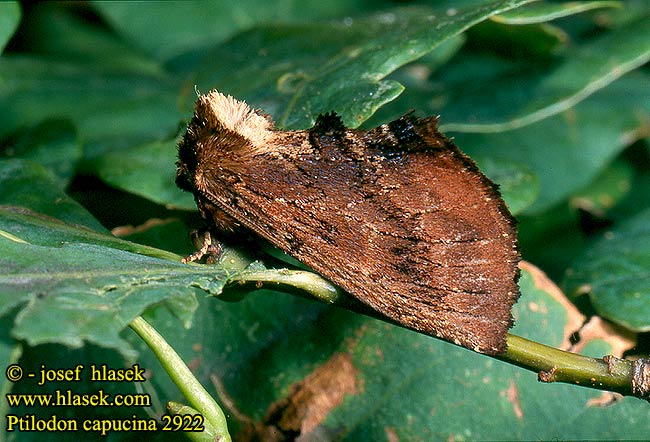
[[72, 284], [479, 91], [61, 32], [407, 384], [583, 71], [110, 108], [567, 151], [149, 171], [90, 286], [30, 185], [540, 12], [169, 28], [52, 143], [606, 190], [615, 271], [10, 15], [303, 70]]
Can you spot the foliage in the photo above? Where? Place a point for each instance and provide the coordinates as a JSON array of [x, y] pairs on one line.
[[551, 99]]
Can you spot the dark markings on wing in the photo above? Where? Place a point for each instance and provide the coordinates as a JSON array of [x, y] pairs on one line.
[[397, 216]]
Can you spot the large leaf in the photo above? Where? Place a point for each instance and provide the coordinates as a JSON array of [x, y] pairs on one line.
[[61, 32], [52, 143], [172, 27], [615, 271], [303, 70], [73, 284], [485, 92], [527, 94], [390, 380], [30, 185], [567, 151], [109, 107], [540, 12], [148, 170], [9, 18]]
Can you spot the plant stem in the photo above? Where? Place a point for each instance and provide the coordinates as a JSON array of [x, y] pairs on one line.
[[554, 365], [191, 388], [5, 387], [551, 364], [305, 281], [209, 433]]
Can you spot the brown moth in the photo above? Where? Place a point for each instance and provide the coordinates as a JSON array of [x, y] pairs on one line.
[[397, 216]]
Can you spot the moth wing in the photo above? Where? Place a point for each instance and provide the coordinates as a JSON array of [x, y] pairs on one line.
[[420, 235]]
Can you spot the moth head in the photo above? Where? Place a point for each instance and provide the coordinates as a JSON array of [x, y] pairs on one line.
[[188, 156], [221, 130]]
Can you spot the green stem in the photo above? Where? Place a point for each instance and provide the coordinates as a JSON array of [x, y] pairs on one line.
[[309, 282], [551, 364], [209, 433], [554, 365], [5, 387], [181, 375]]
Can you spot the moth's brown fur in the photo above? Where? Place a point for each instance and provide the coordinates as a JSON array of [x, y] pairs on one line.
[[397, 215]]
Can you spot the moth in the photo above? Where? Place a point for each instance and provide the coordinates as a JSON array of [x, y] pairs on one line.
[[397, 216]]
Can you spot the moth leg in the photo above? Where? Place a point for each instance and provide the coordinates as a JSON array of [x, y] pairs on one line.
[[206, 245]]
